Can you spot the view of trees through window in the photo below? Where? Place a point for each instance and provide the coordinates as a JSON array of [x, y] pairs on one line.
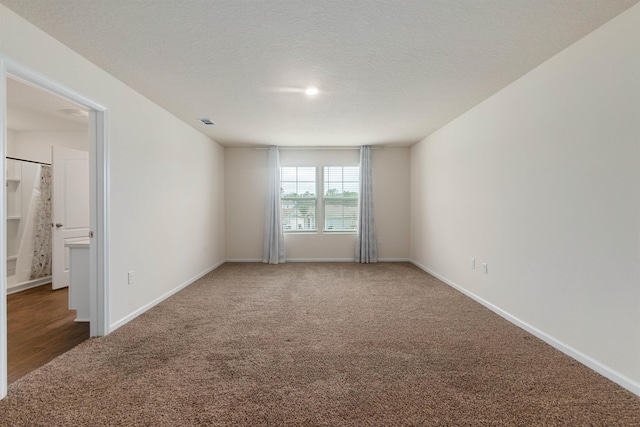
[[339, 198], [298, 191]]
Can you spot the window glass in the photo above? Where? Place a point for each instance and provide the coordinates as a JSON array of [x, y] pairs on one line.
[[298, 193], [340, 197]]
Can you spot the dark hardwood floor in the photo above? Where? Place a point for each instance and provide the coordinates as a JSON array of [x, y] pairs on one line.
[[40, 327]]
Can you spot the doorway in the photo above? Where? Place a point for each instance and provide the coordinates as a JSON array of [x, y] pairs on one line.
[[98, 184], [39, 125], [42, 129]]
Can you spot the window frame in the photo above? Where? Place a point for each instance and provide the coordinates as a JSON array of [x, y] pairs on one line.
[[314, 199], [326, 198]]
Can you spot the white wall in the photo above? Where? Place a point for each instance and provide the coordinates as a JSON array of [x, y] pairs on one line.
[[36, 146], [541, 181], [391, 179], [166, 179], [245, 197], [245, 189], [11, 135]]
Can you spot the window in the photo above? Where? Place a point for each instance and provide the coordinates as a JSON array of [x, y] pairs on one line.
[[340, 194], [299, 198]]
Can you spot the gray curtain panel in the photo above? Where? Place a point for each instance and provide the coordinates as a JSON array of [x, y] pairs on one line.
[[273, 250], [366, 250]]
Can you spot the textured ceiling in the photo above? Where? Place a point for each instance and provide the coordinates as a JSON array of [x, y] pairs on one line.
[[389, 72]]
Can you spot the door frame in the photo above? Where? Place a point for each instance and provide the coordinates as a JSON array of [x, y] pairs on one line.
[[99, 200]]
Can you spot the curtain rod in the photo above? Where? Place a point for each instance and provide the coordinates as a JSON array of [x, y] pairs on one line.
[[30, 161], [373, 147]]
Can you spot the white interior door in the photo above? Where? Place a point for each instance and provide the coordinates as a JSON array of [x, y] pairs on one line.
[[70, 175]]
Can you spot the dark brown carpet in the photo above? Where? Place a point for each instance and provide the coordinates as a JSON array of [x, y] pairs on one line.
[[317, 344]]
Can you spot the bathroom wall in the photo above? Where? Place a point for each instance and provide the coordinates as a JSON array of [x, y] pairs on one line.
[[36, 146], [21, 177]]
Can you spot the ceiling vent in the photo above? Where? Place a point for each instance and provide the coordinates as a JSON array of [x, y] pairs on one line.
[[207, 122]]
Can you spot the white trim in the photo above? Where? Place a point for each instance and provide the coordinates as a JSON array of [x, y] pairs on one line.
[[28, 285], [318, 260], [339, 232], [586, 360], [345, 260], [161, 298], [99, 167], [99, 211], [3, 230], [24, 74], [319, 147], [98, 252]]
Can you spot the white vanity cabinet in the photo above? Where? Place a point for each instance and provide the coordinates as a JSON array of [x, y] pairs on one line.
[[79, 278]]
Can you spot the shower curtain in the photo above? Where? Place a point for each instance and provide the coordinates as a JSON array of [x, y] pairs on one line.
[[26, 245], [34, 253], [41, 263]]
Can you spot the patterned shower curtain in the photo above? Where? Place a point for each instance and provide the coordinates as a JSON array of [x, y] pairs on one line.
[[41, 264]]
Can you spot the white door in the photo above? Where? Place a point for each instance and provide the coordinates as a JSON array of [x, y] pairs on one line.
[[70, 175]]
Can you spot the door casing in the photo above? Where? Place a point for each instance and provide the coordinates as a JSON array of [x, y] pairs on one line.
[[99, 200]]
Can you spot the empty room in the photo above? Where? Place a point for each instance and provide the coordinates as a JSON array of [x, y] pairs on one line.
[[342, 213]]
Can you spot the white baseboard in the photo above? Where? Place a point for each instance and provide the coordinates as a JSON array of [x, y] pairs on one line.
[[28, 285], [161, 298], [318, 260], [344, 260], [604, 370]]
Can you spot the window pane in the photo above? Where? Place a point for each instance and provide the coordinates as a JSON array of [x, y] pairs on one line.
[[287, 174], [307, 189], [352, 173], [299, 215], [307, 174], [333, 174], [332, 191], [332, 188], [297, 184], [340, 214], [351, 187], [340, 198], [287, 189]]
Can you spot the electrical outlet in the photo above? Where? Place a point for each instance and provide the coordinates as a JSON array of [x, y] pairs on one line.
[[472, 263], [130, 277], [485, 268]]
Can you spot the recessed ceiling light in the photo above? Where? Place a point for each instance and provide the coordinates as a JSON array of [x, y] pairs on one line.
[[74, 112], [311, 90], [207, 122]]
